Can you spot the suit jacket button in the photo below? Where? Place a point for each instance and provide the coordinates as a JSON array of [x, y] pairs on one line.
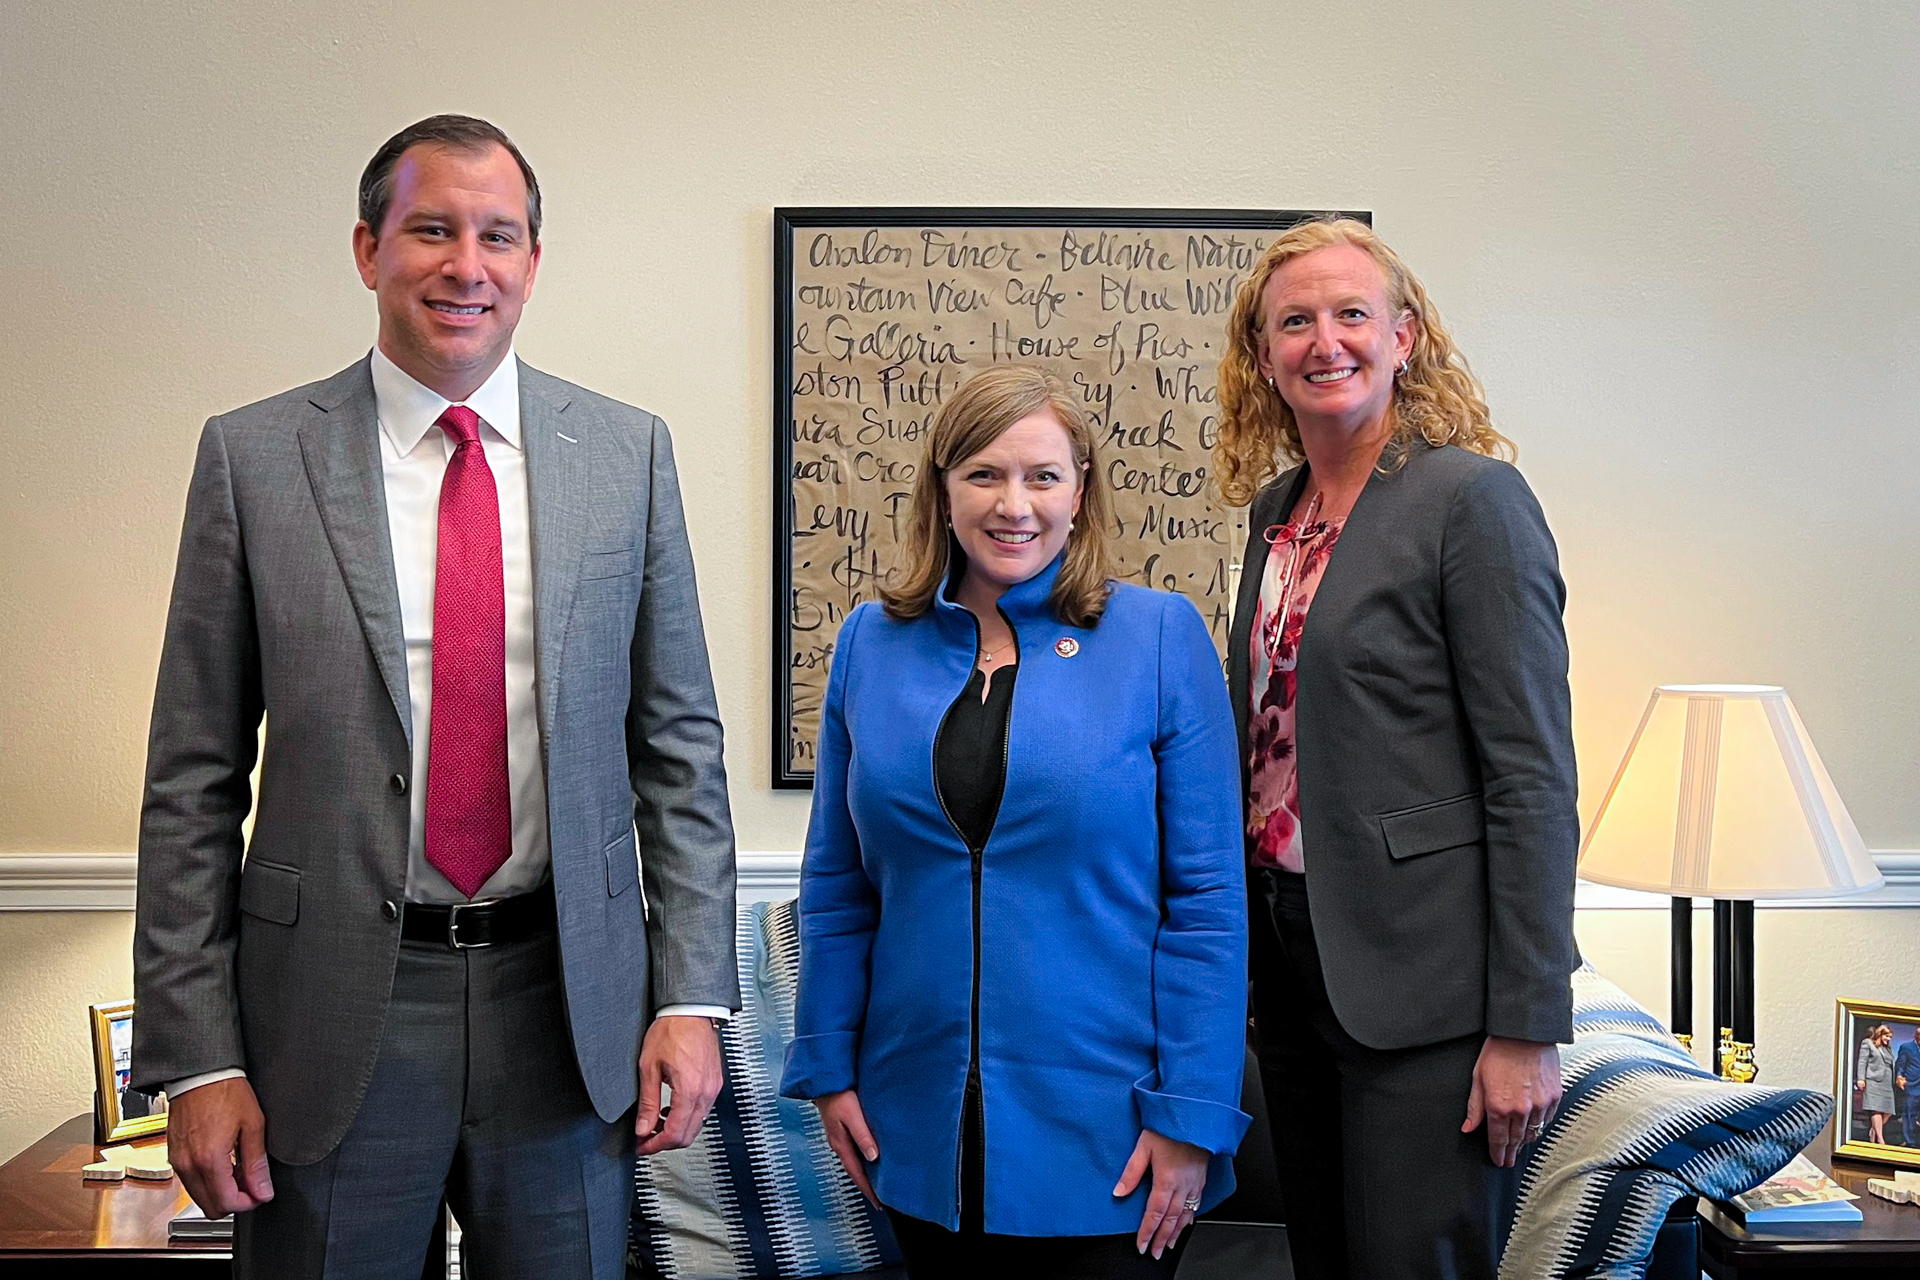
[[398, 784], [387, 908]]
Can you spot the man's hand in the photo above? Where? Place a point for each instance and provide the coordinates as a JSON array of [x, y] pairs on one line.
[[217, 1143], [1179, 1176], [848, 1135], [683, 1052], [1516, 1088]]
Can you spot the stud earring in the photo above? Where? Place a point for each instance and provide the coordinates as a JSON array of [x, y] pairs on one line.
[[1401, 372]]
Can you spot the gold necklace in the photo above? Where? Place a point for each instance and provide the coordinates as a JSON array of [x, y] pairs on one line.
[[986, 655]]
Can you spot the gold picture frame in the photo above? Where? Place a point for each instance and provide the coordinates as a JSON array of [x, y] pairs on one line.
[[112, 1051], [1861, 1130]]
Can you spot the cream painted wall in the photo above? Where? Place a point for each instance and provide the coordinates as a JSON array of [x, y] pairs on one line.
[[53, 964], [1681, 243]]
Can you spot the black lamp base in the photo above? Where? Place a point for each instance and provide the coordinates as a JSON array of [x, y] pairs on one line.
[[1732, 984], [1733, 987]]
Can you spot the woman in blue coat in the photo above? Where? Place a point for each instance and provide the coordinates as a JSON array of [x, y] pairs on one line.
[[1022, 910]]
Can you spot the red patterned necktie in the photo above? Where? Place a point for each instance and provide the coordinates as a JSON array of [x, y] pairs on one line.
[[469, 817]]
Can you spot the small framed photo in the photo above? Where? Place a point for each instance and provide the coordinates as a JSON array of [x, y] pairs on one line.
[[120, 1112], [1876, 1082]]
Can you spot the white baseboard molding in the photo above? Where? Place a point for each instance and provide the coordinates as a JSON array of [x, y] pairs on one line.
[[104, 882], [66, 881], [768, 870]]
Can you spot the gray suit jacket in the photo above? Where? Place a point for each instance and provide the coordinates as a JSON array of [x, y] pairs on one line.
[[285, 604], [1435, 753]]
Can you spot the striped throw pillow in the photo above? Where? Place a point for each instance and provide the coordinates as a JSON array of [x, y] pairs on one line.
[[1641, 1124], [759, 1193]]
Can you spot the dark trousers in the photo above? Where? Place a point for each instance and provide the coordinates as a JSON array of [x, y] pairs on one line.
[[935, 1253], [1910, 1117], [475, 1096], [1379, 1182]]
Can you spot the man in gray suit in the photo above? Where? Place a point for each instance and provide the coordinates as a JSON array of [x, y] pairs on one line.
[[460, 594]]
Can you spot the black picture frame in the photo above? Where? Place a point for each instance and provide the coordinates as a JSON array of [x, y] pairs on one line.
[[788, 222]]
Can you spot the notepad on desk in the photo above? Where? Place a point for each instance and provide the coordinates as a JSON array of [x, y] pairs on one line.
[[191, 1224], [1798, 1193]]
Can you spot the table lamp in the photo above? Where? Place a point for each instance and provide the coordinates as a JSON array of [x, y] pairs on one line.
[[1721, 795]]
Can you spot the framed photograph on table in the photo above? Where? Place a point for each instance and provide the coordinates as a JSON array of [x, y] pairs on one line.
[[1876, 1082], [120, 1112]]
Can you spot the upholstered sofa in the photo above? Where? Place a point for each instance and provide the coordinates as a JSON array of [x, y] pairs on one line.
[[1606, 1194]]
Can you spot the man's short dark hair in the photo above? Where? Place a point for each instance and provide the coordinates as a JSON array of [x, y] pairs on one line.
[[461, 133]]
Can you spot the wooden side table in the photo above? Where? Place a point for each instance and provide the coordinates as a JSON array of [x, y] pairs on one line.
[[1885, 1242], [54, 1223]]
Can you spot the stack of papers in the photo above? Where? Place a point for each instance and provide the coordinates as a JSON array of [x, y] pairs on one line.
[[1798, 1193], [191, 1224]]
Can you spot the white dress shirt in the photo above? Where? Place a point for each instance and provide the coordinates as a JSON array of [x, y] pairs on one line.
[[413, 460], [414, 452]]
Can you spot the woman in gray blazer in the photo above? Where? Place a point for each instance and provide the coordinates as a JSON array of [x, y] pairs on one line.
[[1873, 1080], [1399, 672]]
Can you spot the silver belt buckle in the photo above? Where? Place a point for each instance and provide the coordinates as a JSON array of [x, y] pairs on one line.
[[453, 924]]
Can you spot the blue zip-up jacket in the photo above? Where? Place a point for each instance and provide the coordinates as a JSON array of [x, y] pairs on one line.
[[1112, 911]]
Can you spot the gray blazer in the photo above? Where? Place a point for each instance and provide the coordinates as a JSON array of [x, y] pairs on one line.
[[285, 604], [1435, 754], [1873, 1067]]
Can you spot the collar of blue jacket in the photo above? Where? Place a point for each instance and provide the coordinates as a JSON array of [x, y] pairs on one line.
[[1023, 602]]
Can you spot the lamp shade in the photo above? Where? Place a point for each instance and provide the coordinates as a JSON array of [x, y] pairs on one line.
[[1722, 795]]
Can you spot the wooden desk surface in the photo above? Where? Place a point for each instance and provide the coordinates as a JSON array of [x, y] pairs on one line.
[[48, 1211]]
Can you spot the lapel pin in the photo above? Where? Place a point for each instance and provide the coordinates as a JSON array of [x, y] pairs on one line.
[[1066, 646]]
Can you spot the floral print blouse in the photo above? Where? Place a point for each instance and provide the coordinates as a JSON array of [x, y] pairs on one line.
[[1296, 562]]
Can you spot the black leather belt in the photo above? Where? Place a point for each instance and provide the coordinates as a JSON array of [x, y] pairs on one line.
[[486, 923]]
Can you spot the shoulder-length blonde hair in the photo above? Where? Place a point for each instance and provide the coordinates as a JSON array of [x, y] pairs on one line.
[[1437, 398], [978, 414]]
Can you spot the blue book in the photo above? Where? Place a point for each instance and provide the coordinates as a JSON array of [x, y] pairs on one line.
[[1798, 1193]]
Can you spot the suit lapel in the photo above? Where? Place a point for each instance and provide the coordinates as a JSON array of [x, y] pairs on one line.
[[556, 447], [1372, 526], [340, 445]]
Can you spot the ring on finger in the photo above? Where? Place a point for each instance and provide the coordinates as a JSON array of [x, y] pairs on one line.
[[1192, 1205]]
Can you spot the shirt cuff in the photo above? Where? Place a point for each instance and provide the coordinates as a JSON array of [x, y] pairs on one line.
[[718, 1012], [179, 1087]]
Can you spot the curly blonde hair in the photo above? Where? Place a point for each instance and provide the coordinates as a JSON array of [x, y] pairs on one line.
[[974, 417], [1437, 398]]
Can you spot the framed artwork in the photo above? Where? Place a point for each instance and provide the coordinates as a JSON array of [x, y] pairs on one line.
[[120, 1112], [1876, 1082], [881, 313]]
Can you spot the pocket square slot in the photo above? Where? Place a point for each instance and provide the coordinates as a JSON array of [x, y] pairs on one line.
[[617, 563], [270, 891], [623, 866], [1429, 828]]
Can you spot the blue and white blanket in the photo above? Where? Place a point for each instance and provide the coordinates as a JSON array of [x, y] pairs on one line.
[[759, 1193], [1641, 1125]]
